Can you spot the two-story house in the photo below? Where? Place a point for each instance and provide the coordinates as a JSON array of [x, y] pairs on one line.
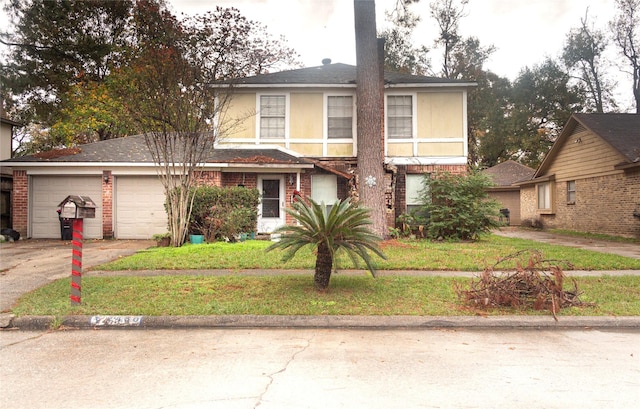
[[296, 134]]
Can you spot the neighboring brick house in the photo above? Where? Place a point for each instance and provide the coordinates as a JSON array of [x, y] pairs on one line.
[[300, 137], [505, 176], [590, 179]]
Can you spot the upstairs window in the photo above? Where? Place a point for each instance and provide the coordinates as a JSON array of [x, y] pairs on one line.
[[340, 116], [272, 116], [400, 116]]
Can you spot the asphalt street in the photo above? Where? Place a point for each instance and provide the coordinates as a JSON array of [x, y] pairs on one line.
[[320, 368]]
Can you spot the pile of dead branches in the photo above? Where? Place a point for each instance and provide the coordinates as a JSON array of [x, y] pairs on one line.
[[538, 285]]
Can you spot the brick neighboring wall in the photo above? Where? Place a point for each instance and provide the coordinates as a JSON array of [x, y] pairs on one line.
[[603, 205], [20, 201], [107, 205]]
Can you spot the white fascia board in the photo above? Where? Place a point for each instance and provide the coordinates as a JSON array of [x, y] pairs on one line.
[[432, 85], [453, 160], [284, 86]]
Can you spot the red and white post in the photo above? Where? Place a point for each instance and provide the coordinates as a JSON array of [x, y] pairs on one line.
[[76, 263]]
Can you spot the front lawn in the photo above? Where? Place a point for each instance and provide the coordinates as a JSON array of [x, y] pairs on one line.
[[401, 255]]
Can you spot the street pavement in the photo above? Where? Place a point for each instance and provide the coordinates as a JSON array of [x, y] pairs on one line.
[[320, 368]]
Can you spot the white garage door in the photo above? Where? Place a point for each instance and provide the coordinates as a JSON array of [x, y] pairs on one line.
[[48, 191], [139, 207]]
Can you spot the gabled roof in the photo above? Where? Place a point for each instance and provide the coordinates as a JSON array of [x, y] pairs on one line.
[[341, 75], [620, 131], [133, 150], [509, 172]]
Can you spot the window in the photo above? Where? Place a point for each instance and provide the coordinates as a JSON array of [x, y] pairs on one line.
[[340, 116], [571, 192], [400, 116], [324, 188], [414, 186], [544, 196], [272, 116]]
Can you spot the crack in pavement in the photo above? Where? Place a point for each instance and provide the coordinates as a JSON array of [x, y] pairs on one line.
[[24, 340], [271, 376]]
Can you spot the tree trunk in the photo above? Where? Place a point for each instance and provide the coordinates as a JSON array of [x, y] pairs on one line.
[[324, 264], [370, 110]]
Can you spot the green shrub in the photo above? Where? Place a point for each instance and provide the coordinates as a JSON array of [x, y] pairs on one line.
[[220, 213], [459, 206]]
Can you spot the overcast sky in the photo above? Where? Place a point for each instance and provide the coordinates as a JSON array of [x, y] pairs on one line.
[[523, 31]]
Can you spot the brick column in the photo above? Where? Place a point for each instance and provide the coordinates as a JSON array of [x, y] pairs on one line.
[[107, 204], [20, 202]]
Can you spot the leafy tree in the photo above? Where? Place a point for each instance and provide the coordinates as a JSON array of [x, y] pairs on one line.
[[69, 60], [458, 206], [344, 227], [57, 44], [543, 100], [626, 34], [583, 56]]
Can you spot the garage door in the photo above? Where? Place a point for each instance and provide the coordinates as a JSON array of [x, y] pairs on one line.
[[48, 191], [139, 207]]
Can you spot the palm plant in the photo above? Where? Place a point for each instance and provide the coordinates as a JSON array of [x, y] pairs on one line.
[[343, 227]]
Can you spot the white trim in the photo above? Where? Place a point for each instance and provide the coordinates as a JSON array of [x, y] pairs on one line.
[[353, 86], [453, 160]]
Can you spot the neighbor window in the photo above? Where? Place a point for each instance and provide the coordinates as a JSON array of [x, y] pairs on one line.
[[272, 116], [414, 188], [324, 188], [571, 192], [400, 116], [340, 116], [544, 196]]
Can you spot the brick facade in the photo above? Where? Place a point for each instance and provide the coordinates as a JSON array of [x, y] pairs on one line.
[[603, 204], [20, 201], [107, 205]]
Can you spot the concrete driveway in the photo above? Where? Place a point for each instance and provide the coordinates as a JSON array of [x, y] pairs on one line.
[[29, 264]]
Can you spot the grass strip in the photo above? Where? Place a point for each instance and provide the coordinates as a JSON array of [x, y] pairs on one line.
[[294, 295]]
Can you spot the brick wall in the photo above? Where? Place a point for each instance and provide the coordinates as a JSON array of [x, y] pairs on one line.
[[107, 204], [20, 201], [603, 205]]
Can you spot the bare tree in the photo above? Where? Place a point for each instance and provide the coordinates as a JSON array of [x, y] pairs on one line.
[[448, 15], [626, 34], [583, 56]]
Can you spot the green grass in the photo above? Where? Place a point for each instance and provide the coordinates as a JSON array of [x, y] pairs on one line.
[[401, 255], [295, 295]]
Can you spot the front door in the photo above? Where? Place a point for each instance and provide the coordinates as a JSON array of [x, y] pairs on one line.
[[270, 212]]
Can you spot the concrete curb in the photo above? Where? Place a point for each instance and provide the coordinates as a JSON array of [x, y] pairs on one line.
[[43, 323]]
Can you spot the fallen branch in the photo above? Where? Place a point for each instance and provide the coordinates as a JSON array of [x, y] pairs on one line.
[[539, 285]]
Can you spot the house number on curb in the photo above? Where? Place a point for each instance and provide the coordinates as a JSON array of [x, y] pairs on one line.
[[116, 321]]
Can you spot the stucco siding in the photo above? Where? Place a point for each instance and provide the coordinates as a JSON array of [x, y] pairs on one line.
[[306, 115], [242, 106], [440, 115]]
